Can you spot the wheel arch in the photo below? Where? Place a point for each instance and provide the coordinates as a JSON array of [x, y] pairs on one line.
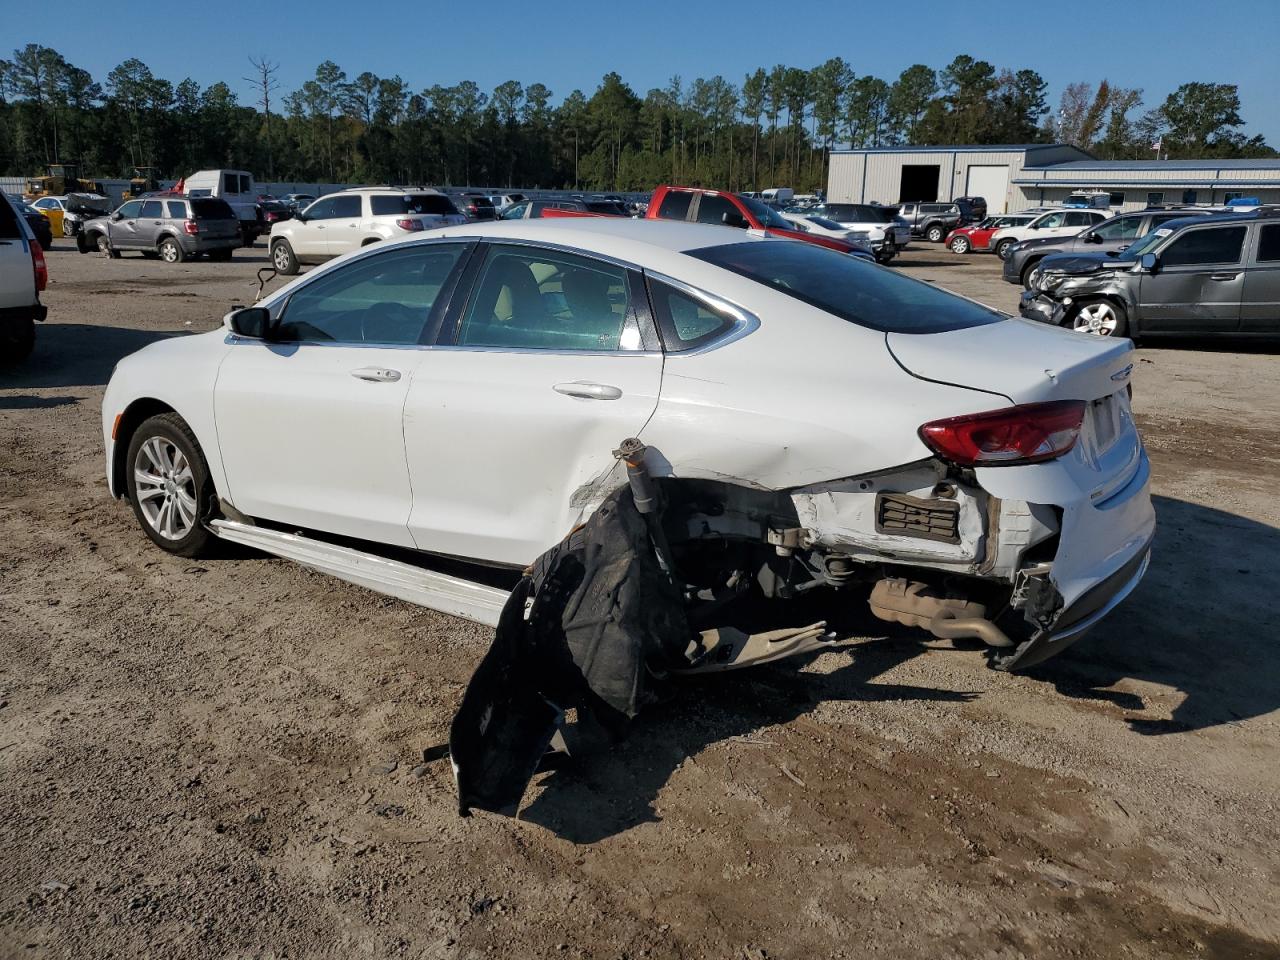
[[134, 416]]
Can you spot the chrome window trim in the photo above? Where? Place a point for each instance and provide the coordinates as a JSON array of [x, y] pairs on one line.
[[744, 321]]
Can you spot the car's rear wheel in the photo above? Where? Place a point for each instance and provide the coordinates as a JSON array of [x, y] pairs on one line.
[[935, 234], [283, 259], [169, 486], [1002, 248], [106, 249], [1102, 318], [960, 245], [17, 340], [171, 251]]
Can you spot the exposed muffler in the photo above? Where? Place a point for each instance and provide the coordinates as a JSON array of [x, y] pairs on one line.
[[910, 602]]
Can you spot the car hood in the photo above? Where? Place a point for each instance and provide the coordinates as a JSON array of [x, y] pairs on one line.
[[1078, 264], [1021, 360]]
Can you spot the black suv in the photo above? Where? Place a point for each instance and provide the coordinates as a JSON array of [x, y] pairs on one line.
[[934, 221], [1109, 237], [1217, 274]]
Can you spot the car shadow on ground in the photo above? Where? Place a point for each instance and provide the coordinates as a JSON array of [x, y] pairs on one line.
[[1200, 623], [78, 354], [26, 401], [1197, 625]]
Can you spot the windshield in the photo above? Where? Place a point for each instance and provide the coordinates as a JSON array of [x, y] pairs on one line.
[[1145, 245], [767, 216], [849, 288]]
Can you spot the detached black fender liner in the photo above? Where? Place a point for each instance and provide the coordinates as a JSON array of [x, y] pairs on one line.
[[1076, 620]]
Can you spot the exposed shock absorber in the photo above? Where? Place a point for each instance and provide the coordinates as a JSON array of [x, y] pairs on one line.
[[838, 570], [631, 452]]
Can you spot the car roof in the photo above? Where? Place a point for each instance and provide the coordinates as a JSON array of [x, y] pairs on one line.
[[1200, 219], [624, 238]]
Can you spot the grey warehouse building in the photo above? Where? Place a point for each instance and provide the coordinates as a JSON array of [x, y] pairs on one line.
[[1014, 177]]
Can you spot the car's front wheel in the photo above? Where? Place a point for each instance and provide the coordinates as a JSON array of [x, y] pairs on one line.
[[68, 228], [935, 234], [169, 486], [171, 251], [106, 249], [1102, 318], [960, 245], [283, 259], [1002, 248]]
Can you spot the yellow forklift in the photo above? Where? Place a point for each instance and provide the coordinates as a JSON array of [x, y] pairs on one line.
[[63, 178], [144, 180]]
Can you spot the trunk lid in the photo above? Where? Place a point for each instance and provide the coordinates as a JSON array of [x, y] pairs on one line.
[[1025, 361]]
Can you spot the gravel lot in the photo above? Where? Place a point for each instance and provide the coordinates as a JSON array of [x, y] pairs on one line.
[[225, 758]]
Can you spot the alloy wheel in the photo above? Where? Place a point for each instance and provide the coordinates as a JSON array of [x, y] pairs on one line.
[[169, 252], [959, 245], [1099, 319], [166, 488], [280, 256]]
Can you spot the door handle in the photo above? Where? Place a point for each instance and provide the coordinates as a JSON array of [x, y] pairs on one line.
[[376, 374], [589, 391], [1224, 276]]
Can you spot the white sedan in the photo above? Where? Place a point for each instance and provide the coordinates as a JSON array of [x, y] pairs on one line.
[[811, 421]]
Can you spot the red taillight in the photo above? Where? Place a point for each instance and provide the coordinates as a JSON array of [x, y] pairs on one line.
[[408, 223], [191, 227], [1026, 434], [38, 265]]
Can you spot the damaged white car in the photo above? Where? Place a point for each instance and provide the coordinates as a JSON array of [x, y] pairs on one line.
[[804, 419]]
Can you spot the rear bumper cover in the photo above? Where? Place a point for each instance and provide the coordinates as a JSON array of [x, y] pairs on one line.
[[31, 311], [1076, 620]]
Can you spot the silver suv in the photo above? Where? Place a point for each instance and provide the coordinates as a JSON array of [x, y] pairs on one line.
[[171, 228], [341, 222]]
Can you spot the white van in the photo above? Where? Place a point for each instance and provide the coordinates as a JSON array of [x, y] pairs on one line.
[[777, 195], [237, 188]]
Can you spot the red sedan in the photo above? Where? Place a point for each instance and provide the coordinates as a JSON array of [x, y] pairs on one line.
[[977, 236]]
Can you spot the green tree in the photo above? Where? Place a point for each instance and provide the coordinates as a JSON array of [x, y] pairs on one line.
[[908, 99]]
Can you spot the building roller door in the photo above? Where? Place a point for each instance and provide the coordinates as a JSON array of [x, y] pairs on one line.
[[992, 183]]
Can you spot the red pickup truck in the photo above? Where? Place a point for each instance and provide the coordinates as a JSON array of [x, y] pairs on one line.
[[696, 205]]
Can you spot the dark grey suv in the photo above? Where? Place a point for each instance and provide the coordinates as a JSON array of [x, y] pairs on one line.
[[934, 221], [1109, 237], [1217, 274], [171, 228]]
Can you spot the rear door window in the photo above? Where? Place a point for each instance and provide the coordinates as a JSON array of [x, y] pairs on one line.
[[1121, 228], [546, 300], [152, 209], [231, 183], [1194, 247], [848, 288], [348, 206], [9, 228], [1077, 220], [1269, 244], [675, 205]]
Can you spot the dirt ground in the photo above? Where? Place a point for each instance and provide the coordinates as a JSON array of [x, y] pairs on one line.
[[225, 758]]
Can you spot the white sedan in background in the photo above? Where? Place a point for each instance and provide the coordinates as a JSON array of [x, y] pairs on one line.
[[811, 420]]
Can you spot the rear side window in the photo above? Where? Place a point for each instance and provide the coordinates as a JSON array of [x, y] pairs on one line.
[[1269, 244], [1121, 228], [685, 322], [177, 209], [1219, 245], [152, 208], [9, 229], [230, 183], [675, 205], [211, 208], [1078, 220], [424, 203], [346, 206], [849, 288]]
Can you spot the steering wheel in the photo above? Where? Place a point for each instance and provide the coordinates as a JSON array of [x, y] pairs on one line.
[[391, 322]]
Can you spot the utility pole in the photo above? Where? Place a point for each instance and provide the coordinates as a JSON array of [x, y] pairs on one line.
[[264, 79]]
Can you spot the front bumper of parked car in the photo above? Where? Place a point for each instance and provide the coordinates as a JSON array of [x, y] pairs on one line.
[[1038, 306]]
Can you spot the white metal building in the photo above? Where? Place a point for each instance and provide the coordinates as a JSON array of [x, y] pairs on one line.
[[1015, 176]]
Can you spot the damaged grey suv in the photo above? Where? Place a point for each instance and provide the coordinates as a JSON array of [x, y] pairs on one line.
[[1197, 275]]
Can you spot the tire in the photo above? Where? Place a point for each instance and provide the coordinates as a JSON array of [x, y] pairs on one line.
[[171, 251], [1002, 248], [67, 229], [960, 245], [934, 233], [105, 248], [1100, 318], [221, 256], [1026, 273], [176, 494], [17, 340], [283, 259]]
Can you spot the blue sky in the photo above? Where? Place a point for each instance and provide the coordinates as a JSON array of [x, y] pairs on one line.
[[1133, 43]]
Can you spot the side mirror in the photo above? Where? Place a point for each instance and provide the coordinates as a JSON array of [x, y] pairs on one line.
[[732, 219], [253, 323], [1150, 262], [117, 215], [1092, 238]]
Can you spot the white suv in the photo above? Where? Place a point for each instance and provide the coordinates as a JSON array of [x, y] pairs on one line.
[[1055, 223], [346, 221], [23, 275]]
